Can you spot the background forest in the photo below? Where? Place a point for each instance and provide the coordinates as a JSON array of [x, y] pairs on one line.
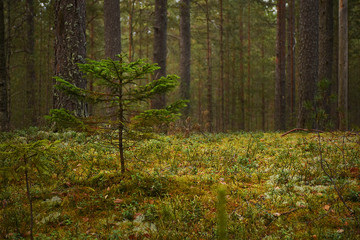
[[245, 58], [117, 160]]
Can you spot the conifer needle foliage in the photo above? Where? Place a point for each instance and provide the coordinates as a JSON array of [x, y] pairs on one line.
[[120, 91]]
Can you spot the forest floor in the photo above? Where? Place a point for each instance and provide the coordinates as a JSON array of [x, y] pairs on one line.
[[299, 186]]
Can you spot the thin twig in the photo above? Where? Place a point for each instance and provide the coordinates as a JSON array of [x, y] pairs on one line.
[[331, 177], [302, 129]]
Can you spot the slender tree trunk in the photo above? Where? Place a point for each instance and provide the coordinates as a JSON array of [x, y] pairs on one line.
[[185, 53], [112, 28], [92, 56], [30, 64], [335, 67], [248, 105], [280, 119], [141, 33], [241, 85], [291, 89], [326, 41], [70, 48], [221, 80], [233, 88], [28, 193], [308, 61], [160, 47], [263, 104], [4, 110], [131, 41], [343, 65], [209, 124], [227, 90]]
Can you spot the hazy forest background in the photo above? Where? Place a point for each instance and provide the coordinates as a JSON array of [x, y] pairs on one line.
[[93, 145], [252, 65]]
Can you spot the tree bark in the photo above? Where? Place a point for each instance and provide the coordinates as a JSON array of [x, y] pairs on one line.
[[4, 110], [221, 79], [185, 53], [241, 95], [248, 105], [70, 49], [308, 61], [112, 28], [291, 86], [160, 48], [343, 65], [209, 124], [131, 40], [280, 119], [30, 64], [326, 40]]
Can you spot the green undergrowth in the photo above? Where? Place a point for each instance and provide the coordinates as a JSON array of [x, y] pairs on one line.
[[220, 186]]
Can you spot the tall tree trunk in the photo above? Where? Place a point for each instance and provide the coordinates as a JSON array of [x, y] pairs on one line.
[[4, 110], [248, 105], [131, 41], [227, 90], [308, 61], [335, 67], [221, 79], [70, 48], [343, 65], [241, 95], [160, 47], [233, 88], [30, 64], [185, 53], [326, 41], [291, 89], [209, 124], [280, 119], [112, 48], [92, 56], [263, 78], [112, 28]]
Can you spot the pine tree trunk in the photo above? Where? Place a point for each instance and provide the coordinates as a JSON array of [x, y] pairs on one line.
[[291, 64], [263, 104], [343, 65], [241, 85], [112, 28], [131, 41], [308, 61], [4, 110], [326, 41], [185, 53], [30, 64], [249, 102], [209, 124], [70, 48], [160, 47], [280, 120], [221, 79]]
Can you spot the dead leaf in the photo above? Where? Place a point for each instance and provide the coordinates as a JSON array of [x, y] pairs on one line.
[[118, 200], [326, 207]]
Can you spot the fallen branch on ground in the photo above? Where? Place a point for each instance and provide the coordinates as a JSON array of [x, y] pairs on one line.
[[301, 129]]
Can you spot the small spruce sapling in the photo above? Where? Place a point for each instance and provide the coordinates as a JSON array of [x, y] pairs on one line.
[[29, 160], [120, 90]]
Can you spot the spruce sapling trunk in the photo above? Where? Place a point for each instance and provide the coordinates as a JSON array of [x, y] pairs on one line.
[[121, 126], [29, 198]]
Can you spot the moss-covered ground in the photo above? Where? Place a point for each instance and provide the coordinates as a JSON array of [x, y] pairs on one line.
[[299, 186]]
